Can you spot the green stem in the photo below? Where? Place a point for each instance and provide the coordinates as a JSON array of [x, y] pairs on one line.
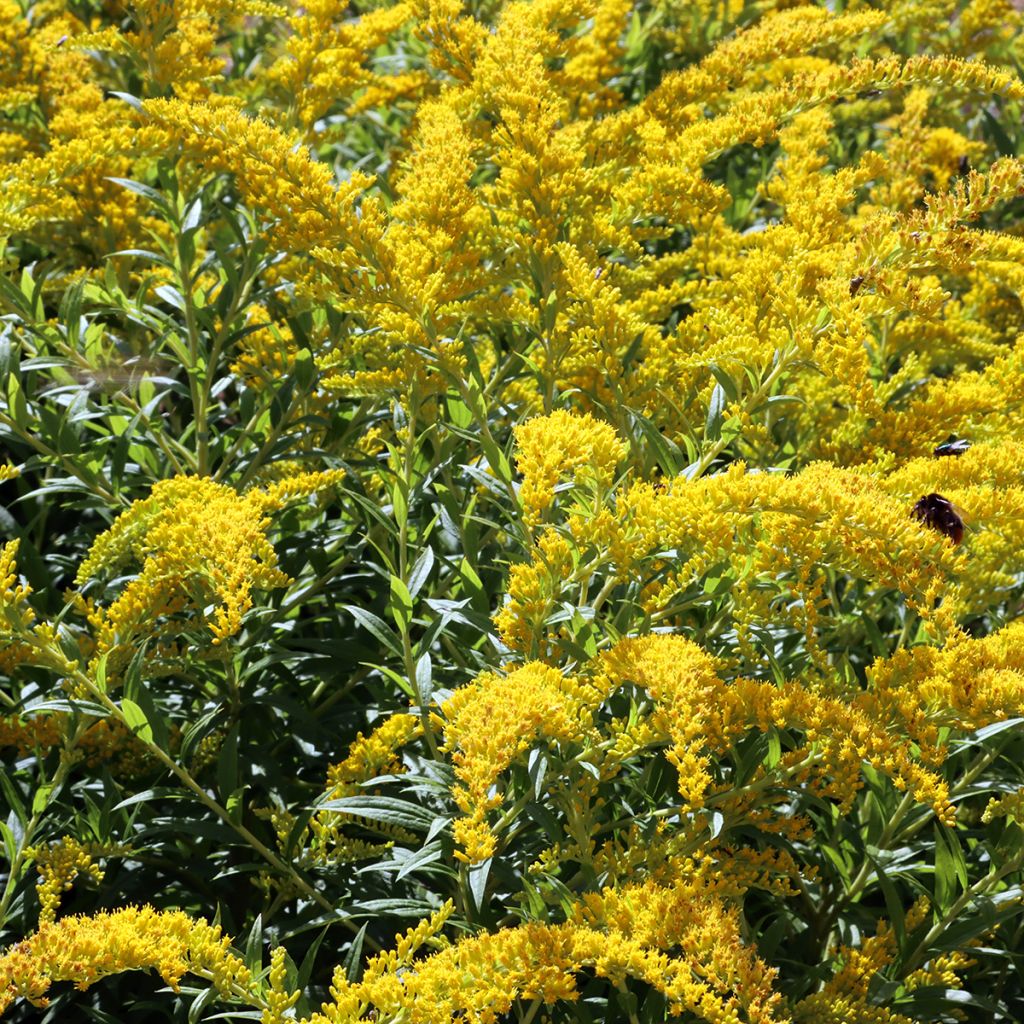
[[186, 779], [485, 429], [159, 435], [241, 993], [14, 874], [198, 382], [531, 1012], [406, 483], [68, 465], [763, 390], [888, 832], [981, 762], [980, 888]]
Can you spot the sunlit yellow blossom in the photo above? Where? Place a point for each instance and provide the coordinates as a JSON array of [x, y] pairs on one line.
[[14, 607], [699, 715], [775, 532], [279, 999], [327, 61], [712, 976], [564, 445], [967, 684], [723, 273], [189, 533], [199, 543], [83, 950], [106, 743], [1010, 806], [292, 190], [59, 865], [493, 721]]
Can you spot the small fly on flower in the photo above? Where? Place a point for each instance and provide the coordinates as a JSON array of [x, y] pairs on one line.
[[855, 284], [939, 513], [952, 447]]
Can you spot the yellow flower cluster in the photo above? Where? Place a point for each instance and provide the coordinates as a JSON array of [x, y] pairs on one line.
[[965, 685], [1010, 806], [564, 446], [698, 717], [757, 244], [59, 864], [83, 950], [56, 165], [533, 101], [492, 722], [682, 943], [776, 536], [279, 999], [373, 755], [845, 995], [326, 64], [203, 548], [17, 614]]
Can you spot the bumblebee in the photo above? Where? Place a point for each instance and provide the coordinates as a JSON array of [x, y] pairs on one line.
[[939, 513]]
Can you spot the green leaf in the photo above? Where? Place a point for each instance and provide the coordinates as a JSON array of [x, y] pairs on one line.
[[399, 503], [10, 845], [101, 674], [716, 413], [16, 405], [428, 854], [199, 1005], [228, 779], [950, 867], [398, 908], [997, 132], [8, 356], [472, 580], [254, 946], [375, 625], [459, 412], [934, 1002], [304, 369], [668, 454], [136, 691], [424, 679], [893, 904], [386, 809], [477, 880], [41, 798], [728, 385], [136, 720], [305, 971], [420, 571], [353, 962], [158, 199]]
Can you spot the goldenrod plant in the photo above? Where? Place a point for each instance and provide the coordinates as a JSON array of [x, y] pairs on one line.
[[512, 511]]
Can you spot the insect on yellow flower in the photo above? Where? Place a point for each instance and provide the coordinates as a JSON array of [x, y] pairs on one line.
[[939, 513]]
